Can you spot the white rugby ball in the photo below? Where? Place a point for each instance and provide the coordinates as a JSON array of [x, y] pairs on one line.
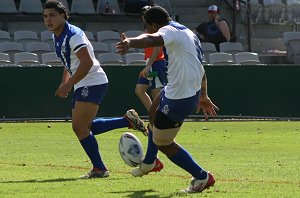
[[130, 149]]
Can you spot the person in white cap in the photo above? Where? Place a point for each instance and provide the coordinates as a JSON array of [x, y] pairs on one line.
[[216, 30]]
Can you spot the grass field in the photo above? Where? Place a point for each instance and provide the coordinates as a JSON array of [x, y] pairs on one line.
[[248, 159]]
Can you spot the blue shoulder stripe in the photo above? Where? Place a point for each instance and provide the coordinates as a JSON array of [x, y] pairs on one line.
[[177, 25]]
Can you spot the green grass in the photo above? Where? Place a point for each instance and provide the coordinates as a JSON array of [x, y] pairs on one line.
[[248, 159]]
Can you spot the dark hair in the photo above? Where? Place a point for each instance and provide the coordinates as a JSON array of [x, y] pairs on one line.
[[58, 6], [158, 15]]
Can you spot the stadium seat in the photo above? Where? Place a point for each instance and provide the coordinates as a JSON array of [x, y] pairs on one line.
[[26, 59], [108, 37], [8, 6], [246, 58], [135, 59], [4, 36], [110, 58], [46, 36], [31, 6], [82, 7], [25, 36], [292, 42], [114, 8], [133, 33], [4, 59], [221, 58], [288, 36], [11, 48], [50, 58], [207, 49], [113, 49], [99, 48], [90, 35], [231, 47], [38, 48]]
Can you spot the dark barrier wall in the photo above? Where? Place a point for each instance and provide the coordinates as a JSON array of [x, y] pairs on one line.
[[28, 92]]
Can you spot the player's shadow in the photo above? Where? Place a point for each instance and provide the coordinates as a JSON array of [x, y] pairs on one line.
[[141, 193], [42, 181], [46, 180]]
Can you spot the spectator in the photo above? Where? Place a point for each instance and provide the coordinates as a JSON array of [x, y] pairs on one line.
[[216, 30]]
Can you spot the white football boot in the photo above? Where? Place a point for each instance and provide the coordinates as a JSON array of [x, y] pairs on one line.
[[144, 169]]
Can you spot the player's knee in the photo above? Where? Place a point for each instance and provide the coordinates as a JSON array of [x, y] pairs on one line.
[[169, 150], [78, 128], [160, 141], [138, 91], [75, 127], [166, 146]]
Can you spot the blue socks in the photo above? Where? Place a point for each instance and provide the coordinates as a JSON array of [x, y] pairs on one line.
[[185, 161], [152, 150], [102, 125], [90, 146]]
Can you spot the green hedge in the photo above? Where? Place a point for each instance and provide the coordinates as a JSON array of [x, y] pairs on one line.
[[28, 92]]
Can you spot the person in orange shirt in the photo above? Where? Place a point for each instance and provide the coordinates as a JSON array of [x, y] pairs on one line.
[[154, 75]]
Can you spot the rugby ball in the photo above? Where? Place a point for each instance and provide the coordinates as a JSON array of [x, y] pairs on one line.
[[130, 149]]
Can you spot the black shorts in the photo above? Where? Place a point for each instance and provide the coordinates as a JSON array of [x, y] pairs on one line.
[[163, 122]]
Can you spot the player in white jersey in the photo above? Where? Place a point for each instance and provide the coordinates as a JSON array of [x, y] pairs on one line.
[[185, 91], [83, 72]]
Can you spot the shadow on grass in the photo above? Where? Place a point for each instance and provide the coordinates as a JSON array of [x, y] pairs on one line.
[[42, 181], [52, 180], [141, 193]]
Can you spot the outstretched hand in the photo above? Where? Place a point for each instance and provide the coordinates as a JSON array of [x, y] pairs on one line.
[[123, 45], [207, 106]]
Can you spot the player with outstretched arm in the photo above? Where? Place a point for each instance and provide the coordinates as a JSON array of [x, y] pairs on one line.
[[185, 91]]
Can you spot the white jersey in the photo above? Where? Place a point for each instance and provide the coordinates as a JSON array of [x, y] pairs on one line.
[[67, 44], [184, 56]]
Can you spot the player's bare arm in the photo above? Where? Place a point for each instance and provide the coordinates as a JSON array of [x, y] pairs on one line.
[[204, 103], [145, 72], [65, 77], [85, 65], [142, 41]]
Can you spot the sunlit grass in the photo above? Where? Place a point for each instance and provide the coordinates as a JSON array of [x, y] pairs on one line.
[[248, 159]]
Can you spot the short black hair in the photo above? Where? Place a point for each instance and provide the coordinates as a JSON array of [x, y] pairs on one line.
[[58, 6], [158, 15]]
